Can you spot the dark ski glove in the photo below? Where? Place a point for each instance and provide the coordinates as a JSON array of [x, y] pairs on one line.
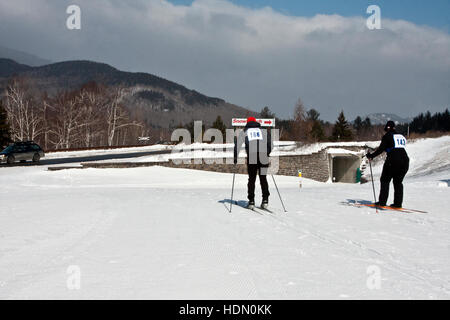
[[369, 156]]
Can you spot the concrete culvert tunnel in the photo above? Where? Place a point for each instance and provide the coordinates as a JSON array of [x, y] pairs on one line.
[[345, 168]]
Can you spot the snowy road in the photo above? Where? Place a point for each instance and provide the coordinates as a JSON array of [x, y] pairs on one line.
[[161, 233], [76, 157]]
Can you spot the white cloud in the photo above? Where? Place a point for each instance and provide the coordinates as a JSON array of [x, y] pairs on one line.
[[251, 57]]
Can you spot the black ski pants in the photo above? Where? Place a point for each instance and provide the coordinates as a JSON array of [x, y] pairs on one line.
[[396, 172], [253, 171]]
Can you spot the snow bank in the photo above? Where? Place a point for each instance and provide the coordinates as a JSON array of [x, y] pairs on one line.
[[430, 156], [344, 151], [212, 151], [87, 153]]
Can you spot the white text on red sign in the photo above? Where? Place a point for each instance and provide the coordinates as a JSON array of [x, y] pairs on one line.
[[237, 122]]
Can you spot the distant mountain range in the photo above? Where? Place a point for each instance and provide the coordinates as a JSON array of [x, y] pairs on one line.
[[162, 103], [22, 57], [382, 118]]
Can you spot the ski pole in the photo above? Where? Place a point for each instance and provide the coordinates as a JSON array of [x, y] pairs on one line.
[[279, 193], [373, 184], [232, 191]]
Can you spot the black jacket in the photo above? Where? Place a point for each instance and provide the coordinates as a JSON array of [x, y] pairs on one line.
[[258, 150], [395, 156]]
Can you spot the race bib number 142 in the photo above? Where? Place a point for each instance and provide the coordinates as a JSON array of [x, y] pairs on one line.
[[400, 141]]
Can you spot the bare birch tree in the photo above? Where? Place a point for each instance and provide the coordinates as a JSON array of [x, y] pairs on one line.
[[116, 116], [67, 119], [300, 129], [24, 115], [93, 103], [93, 115]]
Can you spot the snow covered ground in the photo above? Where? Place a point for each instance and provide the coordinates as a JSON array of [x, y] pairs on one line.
[[162, 233]]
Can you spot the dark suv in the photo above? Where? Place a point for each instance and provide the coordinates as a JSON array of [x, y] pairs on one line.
[[22, 151]]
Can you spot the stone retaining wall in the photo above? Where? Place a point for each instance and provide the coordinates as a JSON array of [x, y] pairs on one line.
[[314, 166]]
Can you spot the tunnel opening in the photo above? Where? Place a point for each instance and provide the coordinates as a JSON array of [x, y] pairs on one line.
[[345, 168]]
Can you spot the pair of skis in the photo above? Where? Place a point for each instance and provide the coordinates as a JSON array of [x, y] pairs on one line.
[[373, 205], [232, 191], [387, 208], [255, 209]]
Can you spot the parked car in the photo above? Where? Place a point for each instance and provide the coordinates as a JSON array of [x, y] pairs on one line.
[[22, 151]]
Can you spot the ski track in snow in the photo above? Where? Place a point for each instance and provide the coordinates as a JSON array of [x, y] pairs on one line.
[[162, 233]]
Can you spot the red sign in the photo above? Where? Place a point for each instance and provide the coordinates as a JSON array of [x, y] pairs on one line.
[[237, 122]]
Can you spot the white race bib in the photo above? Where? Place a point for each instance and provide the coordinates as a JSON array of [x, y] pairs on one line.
[[254, 134], [399, 141]]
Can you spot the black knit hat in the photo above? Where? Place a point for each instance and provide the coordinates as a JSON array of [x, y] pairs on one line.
[[389, 126]]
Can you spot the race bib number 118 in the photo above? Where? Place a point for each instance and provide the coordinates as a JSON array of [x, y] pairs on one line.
[[254, 134]]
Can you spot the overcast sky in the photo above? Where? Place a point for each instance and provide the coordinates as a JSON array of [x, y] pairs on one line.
[[254, 55]]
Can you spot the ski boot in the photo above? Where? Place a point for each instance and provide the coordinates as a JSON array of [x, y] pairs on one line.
[[251, 205], [265, 204]]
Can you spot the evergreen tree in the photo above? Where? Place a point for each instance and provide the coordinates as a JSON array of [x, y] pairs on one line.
[[285, 127], [219, 125], [5, 136], [266, 113], [317, 131], [313, 121], [341, 130], [358, 123], [427, 122], [367, 124], [444, 121], [312, 115]]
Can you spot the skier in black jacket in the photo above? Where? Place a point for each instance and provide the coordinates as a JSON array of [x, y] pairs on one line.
[[258, 146], [395, 167]]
